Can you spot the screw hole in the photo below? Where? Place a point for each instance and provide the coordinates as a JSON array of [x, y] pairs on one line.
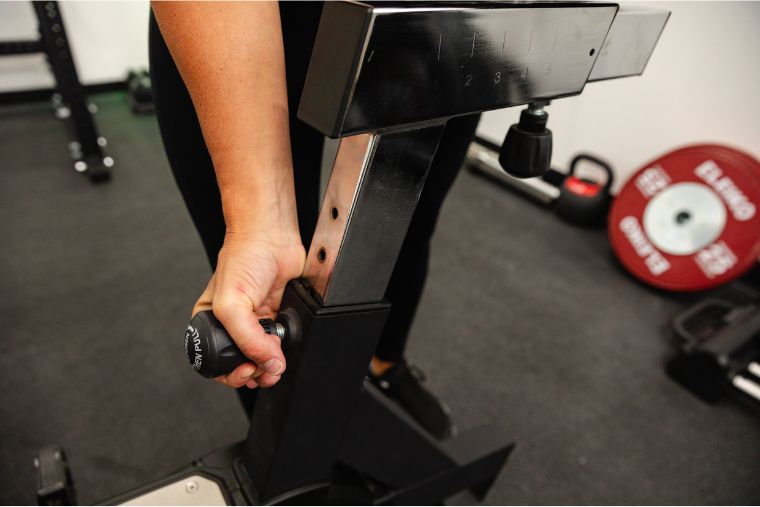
[[321, 254], [334, 213], [591, 53]]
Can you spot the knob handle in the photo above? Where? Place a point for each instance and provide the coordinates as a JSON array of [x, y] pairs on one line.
[[211, 350], [527, 149]]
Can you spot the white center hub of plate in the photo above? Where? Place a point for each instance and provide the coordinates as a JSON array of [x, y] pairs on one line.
[[684, 218]]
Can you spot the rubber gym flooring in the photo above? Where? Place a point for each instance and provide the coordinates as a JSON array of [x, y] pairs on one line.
[[526, 322]]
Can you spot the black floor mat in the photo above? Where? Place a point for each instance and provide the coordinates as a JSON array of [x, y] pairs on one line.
[[526, 322]]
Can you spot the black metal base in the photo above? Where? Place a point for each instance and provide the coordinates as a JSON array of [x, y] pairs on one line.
[[385, 459], [386, 445], [325, 435]]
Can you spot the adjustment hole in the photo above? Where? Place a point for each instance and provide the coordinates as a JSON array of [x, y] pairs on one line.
[[591, 53], [334, 213], [321, 254]]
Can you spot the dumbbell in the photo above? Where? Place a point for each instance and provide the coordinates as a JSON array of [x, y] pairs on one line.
[[211, 350], [720, 347]]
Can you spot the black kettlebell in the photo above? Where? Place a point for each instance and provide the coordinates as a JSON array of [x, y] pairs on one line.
[[583, 201]]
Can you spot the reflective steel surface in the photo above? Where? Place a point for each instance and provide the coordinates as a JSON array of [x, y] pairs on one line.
[[631, 41], [411, 65], [373, 191], [352, 160], [388, 76]]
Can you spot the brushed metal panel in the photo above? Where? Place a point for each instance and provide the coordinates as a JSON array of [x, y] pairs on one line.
[[630, 43]]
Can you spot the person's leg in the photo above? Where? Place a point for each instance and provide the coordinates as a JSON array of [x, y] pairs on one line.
[[389, 370], [409, 274], [189, 158]]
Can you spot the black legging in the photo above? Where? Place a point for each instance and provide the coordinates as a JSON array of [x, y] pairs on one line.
[[194, 172]]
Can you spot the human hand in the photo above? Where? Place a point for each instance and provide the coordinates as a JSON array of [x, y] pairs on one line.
[[248, 284]]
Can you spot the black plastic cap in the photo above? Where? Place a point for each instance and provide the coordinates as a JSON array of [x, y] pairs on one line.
[[526, 153], [210, 350], [533, 121], [527, 149]]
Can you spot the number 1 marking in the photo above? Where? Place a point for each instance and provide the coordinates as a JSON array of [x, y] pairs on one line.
[[530, 42]]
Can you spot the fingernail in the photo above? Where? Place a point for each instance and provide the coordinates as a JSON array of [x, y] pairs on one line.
[[273, 366]]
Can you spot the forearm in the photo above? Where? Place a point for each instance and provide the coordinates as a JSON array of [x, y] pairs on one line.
[[231, 58]]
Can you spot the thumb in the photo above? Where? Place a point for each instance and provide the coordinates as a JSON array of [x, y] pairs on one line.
[[204, 302], [237, 316]]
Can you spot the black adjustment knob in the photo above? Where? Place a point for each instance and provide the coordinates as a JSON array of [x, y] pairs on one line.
[[527, 149], [211, 350]]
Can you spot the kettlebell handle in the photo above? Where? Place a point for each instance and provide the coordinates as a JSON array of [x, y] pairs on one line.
[[596, 161]]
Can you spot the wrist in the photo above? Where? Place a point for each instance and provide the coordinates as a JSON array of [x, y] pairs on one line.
[[268, 212], [257, 191]]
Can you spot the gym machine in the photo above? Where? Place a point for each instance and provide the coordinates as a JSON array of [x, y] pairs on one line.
[[385, 78], [69, 100], [625, 52], [719, 342]]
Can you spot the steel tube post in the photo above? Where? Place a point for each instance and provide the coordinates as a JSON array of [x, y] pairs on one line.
[[369, 202]]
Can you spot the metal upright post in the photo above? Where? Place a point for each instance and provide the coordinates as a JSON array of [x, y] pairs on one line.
[[86, 144], [373, 191]]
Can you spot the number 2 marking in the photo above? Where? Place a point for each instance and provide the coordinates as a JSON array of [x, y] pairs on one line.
[[468, 80]]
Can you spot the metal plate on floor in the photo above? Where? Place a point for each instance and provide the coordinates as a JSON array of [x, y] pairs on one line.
[[689, 220], [191, 490]]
